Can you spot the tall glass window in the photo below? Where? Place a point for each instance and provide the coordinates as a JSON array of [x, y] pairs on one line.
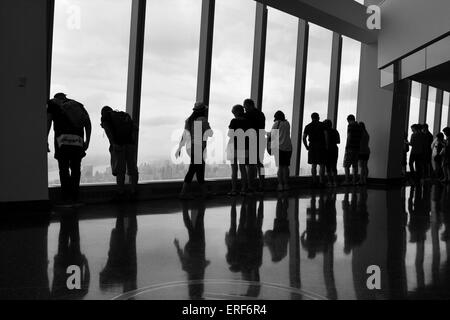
[[414, 110], [172, 34], [431, 110], [317, 81], [279, 74], [445, 110], [348, 91], [89, 64], [231, 70]]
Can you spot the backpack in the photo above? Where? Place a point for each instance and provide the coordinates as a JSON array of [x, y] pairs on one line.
[[122, 125], [74, 113]]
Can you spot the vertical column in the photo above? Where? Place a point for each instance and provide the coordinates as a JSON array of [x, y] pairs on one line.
[[205, 51], [50, 23], [135, 60], [259, 54], [335, 77], [299, 95], [448, 106], [438, 111], [423, 103]]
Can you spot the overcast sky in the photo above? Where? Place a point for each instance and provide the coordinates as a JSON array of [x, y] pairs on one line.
[[90, 64]]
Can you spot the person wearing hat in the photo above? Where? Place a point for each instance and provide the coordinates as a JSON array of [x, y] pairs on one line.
[[196, 133], [70, 122]]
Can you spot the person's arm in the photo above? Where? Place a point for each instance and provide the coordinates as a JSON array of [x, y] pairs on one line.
[[49, 126], [182, 143], [108, 130], [305, 142]]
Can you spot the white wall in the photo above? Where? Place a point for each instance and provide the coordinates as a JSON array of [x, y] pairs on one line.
[[23, 159], [409, 24]]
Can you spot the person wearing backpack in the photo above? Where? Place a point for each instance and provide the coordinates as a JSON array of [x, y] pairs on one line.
[[121, 132], [70, 122]]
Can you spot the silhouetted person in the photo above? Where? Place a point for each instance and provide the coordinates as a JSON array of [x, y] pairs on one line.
[[332, 138], [364, 154], [405, 154], [69, 254], [121, 266], [314, 133], [281, 148], [428, 151], [122, 135], [438, 150], [257, 122], [237, 149], [196, 132], [352, 149], [417, 155], [320, 236], [277, 239], [193, 257], [70, 123], [446, 155]]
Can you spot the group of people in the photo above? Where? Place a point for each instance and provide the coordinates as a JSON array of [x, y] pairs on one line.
[[429, 155], [247, 144]]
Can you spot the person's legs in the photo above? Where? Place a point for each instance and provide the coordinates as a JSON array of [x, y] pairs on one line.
[[200, 173], [280, 178], [347, 174], [234, 177], [355, 172], [75, 172], [64, 177], [321, 173], [314, 172], [244, 178], [188, 179], [118, 167], [286, 177], [251, 172]]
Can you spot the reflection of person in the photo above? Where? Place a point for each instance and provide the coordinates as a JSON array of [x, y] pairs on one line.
[[277, 239], [121, 267], [69, 254], [356, 220], [245, 243], [320, 236], [193, 257]]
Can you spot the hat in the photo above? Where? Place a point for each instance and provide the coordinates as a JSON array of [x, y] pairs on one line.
[[60, 95], [200, 106]]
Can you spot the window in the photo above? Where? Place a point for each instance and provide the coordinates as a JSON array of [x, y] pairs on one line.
[[279, 74], [414, 110], [317, 81], [348, 91], [169, 80], [445, 110], [90, 61], [231, 70], [431, 110]]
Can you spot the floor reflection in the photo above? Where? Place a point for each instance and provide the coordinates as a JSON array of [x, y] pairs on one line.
[[307, 246]]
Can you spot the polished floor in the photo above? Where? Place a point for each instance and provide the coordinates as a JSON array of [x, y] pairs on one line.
[[288, 246]]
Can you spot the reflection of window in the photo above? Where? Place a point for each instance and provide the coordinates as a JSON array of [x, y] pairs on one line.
[[89, 64], [348, 91], [231, 68], [279, 74], [445, 110], [169, 80], [317, 81], [431, 110]]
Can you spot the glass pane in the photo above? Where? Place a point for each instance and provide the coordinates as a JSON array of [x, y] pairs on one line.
[[90, 62], [279, 74], [413, 110], [445, 110], [348, 91], [169, 82], [231, 70], [431, 108], [317, 81]]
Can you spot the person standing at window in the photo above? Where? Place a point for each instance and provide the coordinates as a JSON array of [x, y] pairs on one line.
[[315, 133], [352, 149], [196, 133], [281, 148], [437, 148], [70, 123], [121, 132], [332, 140], [446, 154], [236, 149], [364, 154]]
